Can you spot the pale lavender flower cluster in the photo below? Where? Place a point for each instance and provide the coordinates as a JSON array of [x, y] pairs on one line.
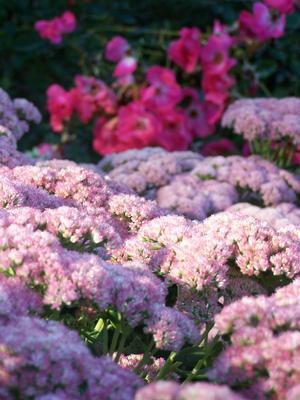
[[133, 210], [214, 262], [168, 390], [16, 299], [283, 215], [44, 358], [148, 169], [267, 119], [56, 207], [9, 156], [194, 198], [198, 187], [263, 354], [15, 114], [256, 180]]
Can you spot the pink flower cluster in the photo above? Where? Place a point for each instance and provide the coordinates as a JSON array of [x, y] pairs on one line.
[[149, 370], [58, 213], [284, 215], [154, 106], [256, 180], [168, 390], [197, 187], [265, 119], [267, 19], [263, 352], [78, 245], [118, 50], [225, 257], [89, 97], [51, 361], [161, 112], [148, 169], [55, 28]]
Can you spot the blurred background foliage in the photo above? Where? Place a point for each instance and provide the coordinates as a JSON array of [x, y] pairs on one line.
[[29, 64]]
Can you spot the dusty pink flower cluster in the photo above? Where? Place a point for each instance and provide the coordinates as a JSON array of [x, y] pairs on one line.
[[173, 391], [198, 187], [285, 215], [269, 119], [74, 240], [148, 169], [214, 262], [149, 371], [262, 357], [54, 214]]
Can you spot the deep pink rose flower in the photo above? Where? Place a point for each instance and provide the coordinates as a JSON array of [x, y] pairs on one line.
[[185, 51], [55, 28], [60, 106], [92, 95], [134, 128], [195, 112], [283, 6], [164, 92], [126, 66], [116, 49], [175, 134], [261, 24]]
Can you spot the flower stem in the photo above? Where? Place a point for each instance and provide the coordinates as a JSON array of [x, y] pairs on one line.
[[146, 357], [114, 341], [166, 368], [121, 346]]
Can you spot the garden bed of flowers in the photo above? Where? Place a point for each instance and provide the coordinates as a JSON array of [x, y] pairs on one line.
[[170, 268], [182, 283]]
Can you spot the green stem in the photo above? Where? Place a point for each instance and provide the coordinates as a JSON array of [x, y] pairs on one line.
[[100, 325], [194, 371], [105, 340], [145, 358], [166, 368], [114, 341], [121, 346]]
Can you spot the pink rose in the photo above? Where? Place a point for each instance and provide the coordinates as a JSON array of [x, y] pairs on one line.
[[185, 51], [116, 49], [261, 24], [60, 106]]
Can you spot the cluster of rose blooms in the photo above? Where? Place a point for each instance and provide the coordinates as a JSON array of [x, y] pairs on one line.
[[157, 110], [54, 29], [81, 251]]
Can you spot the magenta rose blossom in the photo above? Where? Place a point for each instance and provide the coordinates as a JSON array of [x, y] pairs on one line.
[[185, 51], [116, 49], [54, 29], [261, 24]]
